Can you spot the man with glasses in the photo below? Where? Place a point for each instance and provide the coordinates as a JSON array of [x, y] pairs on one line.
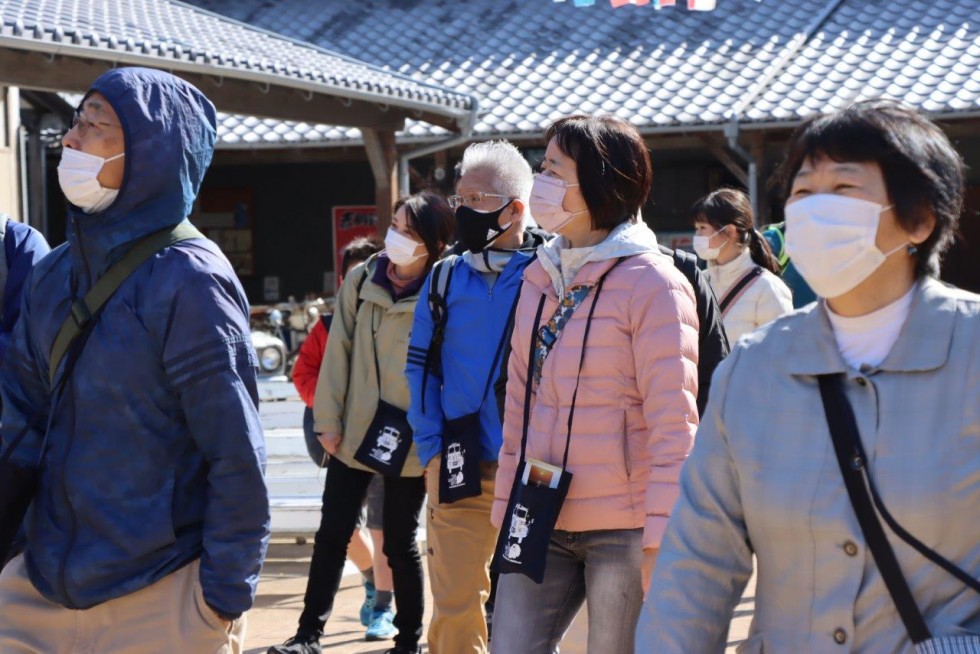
[[151, 518], [454, 412]]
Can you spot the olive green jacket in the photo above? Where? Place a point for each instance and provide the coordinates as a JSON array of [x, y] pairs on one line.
[[347, 390]]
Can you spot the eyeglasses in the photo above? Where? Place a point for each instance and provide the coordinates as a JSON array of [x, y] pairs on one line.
[[473, 199], [82, 123]]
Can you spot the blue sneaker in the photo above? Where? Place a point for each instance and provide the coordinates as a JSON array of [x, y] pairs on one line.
[[367, 608], [381, 627]]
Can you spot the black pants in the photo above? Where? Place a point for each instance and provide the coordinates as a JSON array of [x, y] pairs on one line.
[[343, 495]]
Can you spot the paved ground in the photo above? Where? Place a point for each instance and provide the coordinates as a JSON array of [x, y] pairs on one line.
[[283, 582], [280, 602]]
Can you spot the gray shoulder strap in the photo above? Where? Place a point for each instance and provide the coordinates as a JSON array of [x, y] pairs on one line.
[[441, 281]]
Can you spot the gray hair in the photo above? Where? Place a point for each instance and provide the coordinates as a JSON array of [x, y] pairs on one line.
[[509, 170]]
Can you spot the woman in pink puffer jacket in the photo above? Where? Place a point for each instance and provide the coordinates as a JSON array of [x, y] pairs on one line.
[[621, 357]]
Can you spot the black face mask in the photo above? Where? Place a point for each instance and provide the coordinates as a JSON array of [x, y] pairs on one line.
[[477, 229]]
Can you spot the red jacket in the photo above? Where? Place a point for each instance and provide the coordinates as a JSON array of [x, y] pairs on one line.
[[307, 368]]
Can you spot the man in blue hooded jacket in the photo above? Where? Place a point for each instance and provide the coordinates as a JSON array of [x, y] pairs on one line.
[[151, 520]]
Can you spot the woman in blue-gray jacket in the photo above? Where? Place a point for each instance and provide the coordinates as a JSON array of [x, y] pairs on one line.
[[777, 474]]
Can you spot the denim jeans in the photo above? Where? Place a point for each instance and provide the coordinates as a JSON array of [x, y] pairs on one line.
[[598, 567], [343, 495]]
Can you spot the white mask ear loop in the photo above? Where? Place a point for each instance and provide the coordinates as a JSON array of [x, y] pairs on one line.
[[725, 242], [907, 245]]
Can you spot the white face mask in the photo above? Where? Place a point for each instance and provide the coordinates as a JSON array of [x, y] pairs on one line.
[[547, 194], [401, 249], [831, 241], [705, 251], [77, 173]]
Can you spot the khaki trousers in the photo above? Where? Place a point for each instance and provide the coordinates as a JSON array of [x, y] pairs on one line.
[[168, 617], [461, 541]]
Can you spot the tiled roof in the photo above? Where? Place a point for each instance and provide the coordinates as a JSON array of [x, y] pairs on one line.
[[238, 131], [531, 61], [925, 53], [189, 38]]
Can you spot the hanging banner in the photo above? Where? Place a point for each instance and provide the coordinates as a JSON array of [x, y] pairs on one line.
[[692, 5], [348, 223]]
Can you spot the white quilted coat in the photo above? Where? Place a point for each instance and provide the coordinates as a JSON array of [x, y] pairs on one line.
[[764, 300]]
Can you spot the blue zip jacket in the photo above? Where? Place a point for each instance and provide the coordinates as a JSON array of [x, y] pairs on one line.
[[477, 317], [24, 247], [154, 454]]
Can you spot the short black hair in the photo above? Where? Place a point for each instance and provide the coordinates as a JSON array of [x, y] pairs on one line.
[[922, 170], [358, 251], [612, 162], [432, 219]]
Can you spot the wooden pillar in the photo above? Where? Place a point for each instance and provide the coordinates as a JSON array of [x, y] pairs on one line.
[[757, 148], [383, 156], [10, 200]]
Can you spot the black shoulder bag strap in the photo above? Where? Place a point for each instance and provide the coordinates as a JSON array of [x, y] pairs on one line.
[[853, 466], [500, 382], [84, 310], [737, 289], [357, 310], [498, 364], [902, 533]]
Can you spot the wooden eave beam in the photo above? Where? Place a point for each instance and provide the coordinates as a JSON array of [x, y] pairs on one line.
[[727, 160], [40, 71]]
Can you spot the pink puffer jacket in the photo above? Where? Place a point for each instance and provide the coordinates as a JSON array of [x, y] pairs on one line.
[[635, 415]]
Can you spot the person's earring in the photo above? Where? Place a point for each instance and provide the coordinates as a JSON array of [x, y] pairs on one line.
[[911, 249]]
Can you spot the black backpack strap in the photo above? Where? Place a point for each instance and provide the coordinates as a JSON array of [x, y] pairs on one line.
[[437, 295], [442, 275], [360, 284], [737, 289], [84, 311]]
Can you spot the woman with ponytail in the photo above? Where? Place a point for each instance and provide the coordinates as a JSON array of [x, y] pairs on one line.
[[742, 270]]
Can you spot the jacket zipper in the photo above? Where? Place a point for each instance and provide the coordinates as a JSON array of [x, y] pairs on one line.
[[626, 450], [81, 252], [73, 524], [73, 519]]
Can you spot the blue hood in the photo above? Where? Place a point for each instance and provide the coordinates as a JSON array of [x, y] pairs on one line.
[[169, 128]]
